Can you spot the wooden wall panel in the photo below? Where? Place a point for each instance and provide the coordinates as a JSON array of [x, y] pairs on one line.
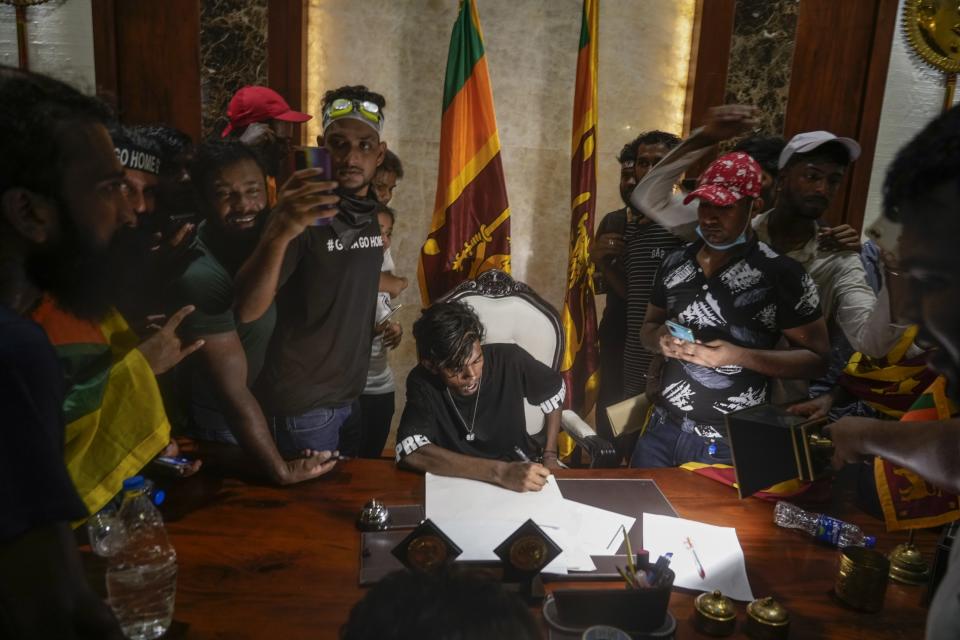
[[709, 59], [286, 44], [147, 59], [837, 83]]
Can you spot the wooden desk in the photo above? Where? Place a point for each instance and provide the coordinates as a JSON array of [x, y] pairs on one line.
[[263, 562]]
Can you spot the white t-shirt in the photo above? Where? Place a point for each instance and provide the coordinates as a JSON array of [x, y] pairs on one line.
[[380, 376]]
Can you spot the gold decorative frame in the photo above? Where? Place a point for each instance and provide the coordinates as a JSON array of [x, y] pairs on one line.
[[932, 28]]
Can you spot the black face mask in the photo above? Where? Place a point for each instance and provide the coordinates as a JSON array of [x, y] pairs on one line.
[[80, 277], [354, 214]]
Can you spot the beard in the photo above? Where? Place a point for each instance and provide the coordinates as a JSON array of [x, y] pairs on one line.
[[78, 275]]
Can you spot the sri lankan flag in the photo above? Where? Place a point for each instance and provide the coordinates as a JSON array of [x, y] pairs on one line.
[[115, 418], [470, 232], [580, 358], [909, 501]]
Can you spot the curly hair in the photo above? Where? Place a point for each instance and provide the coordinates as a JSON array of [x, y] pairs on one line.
[[629, 151], [765, 150], [445, 333], [353, 92], [452, 605], [931, 158]]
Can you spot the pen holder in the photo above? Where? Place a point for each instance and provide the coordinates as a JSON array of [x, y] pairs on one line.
[[633, 610]]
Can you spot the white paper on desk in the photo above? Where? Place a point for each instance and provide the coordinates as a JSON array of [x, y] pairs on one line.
[[717, 548], [478, 516], [599, 532]]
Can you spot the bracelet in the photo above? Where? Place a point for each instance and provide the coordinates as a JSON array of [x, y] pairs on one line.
[[893, 273]]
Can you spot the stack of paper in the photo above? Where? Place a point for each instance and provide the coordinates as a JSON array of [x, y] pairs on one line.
[[478, 516]]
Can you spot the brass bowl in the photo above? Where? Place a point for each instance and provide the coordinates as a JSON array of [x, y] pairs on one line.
[[714, 614], [767, 620], [862, 578]]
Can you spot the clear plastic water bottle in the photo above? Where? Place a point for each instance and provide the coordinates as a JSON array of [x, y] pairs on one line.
[[824, 528], [142, 575], [106, 531]]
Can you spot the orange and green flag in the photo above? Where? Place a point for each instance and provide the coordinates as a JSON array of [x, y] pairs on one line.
[[580, 358], [470, 231], [909, 501]]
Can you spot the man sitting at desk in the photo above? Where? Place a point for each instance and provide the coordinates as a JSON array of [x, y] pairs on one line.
[[464, 415]]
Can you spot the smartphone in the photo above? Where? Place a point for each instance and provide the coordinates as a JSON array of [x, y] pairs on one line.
[[312, 158], [178, 465], [679, 331]]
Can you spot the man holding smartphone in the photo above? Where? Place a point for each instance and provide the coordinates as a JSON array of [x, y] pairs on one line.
[[324, 278], [729, 298]]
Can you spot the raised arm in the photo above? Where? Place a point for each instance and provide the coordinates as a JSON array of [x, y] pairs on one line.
[[518, 476], [225, 364], [655, 197], [301, 201]]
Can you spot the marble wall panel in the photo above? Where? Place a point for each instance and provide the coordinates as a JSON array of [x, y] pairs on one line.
[[400, 50], [761, 58], [233, 53]]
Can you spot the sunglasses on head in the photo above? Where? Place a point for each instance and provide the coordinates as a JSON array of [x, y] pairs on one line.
[[343, 106]]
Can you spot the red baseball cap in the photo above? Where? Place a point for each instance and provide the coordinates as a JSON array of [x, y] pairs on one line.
[[259, 104], [728, 179]]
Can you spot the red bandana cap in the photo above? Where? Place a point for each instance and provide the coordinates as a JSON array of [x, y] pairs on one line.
[[259, 104], [728, 179]]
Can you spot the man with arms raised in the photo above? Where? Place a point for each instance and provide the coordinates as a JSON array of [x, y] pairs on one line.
[[325, 279], [464, 415]]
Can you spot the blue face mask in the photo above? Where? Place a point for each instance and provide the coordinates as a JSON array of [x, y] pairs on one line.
[[741, 239]]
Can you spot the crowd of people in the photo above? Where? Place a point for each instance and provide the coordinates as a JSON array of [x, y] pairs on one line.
[[155, 287]]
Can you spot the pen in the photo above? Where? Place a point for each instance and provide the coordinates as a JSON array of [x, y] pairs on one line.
[[689, 544], [523, 457]]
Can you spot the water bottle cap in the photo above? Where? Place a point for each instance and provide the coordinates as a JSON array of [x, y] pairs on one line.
[[869, 541], [133, 484], [159, 496]]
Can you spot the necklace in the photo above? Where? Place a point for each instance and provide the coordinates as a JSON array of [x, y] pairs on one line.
[[470, 437]]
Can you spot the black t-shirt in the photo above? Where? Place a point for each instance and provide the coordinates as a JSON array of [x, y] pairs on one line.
[[320, 350], [434, 415], [749, 302], [35, 488]]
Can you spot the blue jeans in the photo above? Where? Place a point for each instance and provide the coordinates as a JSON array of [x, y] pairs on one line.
[[666, 444], [318, 429]]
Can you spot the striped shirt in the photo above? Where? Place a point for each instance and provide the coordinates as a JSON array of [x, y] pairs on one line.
[[647, 244]]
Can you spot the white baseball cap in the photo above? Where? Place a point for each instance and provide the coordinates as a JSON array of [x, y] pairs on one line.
[[810, 140]]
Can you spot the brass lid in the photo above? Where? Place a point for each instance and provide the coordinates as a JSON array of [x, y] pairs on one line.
[[768, 611], [715, 606]]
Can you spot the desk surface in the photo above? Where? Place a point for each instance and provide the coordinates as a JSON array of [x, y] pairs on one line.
[[264, 562]]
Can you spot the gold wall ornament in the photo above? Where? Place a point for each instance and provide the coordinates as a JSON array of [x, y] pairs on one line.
[[932, 28]]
